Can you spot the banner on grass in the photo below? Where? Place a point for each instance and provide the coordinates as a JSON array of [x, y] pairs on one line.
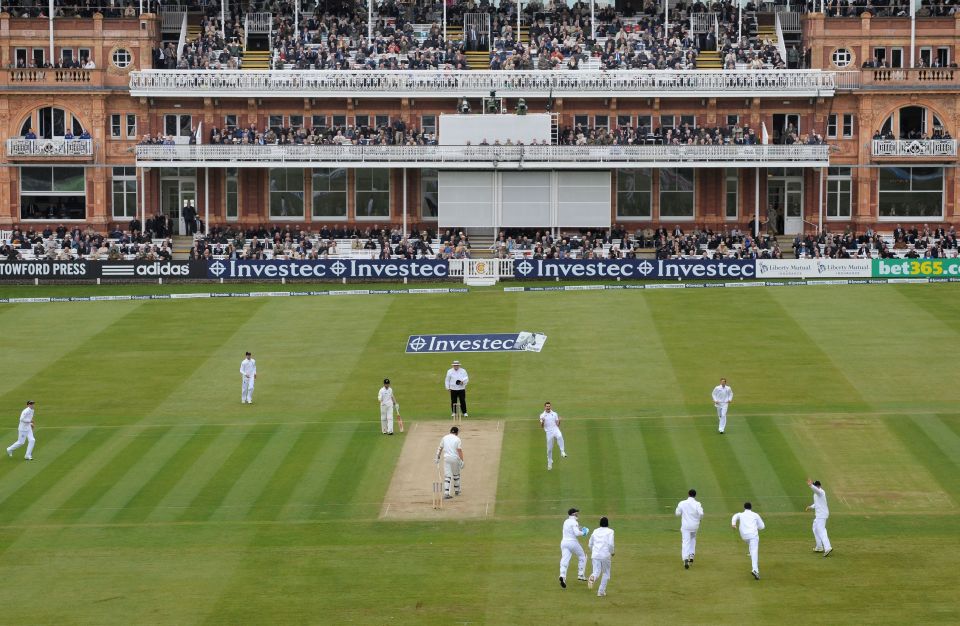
[[499, 342], [915, 268], [330, 269], [649, 269], [814, 268], [90, 270]]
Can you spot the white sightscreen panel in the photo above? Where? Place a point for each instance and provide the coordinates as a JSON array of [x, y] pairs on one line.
[[525, 199], [459, 130], [584, 199], [465, 199]]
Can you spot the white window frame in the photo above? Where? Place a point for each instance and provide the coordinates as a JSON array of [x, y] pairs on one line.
[[922, 218], [839, 178], [288, 218], [848, 126], [618, 192], [227, 177], [832, 126], [731, 175], [40, 194], [130, 128], [124, 178], [116, 126], [346, 197], [660, 192], [357, 191]]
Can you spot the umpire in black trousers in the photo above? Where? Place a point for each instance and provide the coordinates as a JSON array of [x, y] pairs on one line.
[[456, 382]]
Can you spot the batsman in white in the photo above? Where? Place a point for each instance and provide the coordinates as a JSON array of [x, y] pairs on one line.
[[722, 397], [451, 450], [570, 545], [248, 373], [750, 526], [821, 513], [690, 513], [550, 423], [24, 432], [387, 403], [601, 553]]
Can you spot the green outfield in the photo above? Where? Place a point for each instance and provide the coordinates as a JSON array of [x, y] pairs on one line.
[[157, 498]]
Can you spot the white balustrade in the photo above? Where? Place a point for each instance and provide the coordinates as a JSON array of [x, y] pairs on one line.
[[484, 157], [49, 148], [449, 84], [915, 148]]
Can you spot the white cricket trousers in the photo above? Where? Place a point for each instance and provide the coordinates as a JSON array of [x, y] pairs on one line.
[[24, 435], [246, 389], [753, 544], [451, 473], [601, 571], [819, 533], [386, 418], [569, 547], [688, 543], [722, 415], [554, 435]]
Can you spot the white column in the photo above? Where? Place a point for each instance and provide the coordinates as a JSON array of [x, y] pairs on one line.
[[913, 39], [518, 20], [739, 26], [296, 17], [756, 203], [370, 21], [666, 17], [445, 22], [820, 180], [223, 18], [404, 174], [143, 199], [206, 201], [593, 19], [50, 19]]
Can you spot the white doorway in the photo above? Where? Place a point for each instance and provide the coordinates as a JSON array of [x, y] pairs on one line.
[[177, 187], [785, 205]]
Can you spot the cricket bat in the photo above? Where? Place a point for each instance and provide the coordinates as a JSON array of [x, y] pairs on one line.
[[399, 419]]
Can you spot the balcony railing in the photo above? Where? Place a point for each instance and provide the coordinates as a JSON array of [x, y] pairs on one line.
[[473, 84], [898, 78], [49, 148], [27, 78], [936, 148], [484, 157]]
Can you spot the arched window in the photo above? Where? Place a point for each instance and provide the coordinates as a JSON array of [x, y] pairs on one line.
[[51, 123]]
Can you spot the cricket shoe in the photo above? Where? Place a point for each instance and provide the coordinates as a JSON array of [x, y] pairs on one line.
[[601, 594], [581, 578], [448, 497], [686, 564], [756, 574], [10, 454], [818, 549], [563, 583], [563, 455], [827, 553], [453, 415], [549, 465], [590, 581], [466, 415], [28, 458]]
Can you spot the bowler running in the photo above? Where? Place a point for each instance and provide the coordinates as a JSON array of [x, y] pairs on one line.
[[722, 397], [24, 432], [550, 423]]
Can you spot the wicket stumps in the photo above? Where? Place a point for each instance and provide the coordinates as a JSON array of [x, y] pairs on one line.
[[438, 490], [457, 413]]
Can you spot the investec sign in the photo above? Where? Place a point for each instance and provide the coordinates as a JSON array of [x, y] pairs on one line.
[[634, 268], [329, 269]]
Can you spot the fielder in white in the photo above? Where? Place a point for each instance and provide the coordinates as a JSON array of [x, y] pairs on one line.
[[570, 545], [452, 452], [550, 423], [821, 513], [750, 526], [601, 553], [722, 397], [24, 432], [248, 373], [690, 513], [387, 402]]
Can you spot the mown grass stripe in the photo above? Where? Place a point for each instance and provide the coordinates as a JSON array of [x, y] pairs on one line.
[[757, 466], [725, 465], [178, 499], [253, 481], [315, 476], [68, 473], [14, 472], [941, 434], [951, 421], [87, 494], [668, 478], [780, 456], [637, 488], [345, 478], [942, 468], [163, 479], [604, 470], [215, 490], [288, 473], [127, 482]]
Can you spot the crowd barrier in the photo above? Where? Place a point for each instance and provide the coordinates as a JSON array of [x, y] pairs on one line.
[[342, 270]]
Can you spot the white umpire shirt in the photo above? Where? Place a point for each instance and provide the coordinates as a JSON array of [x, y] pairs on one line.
[[722, 394], [450, 444], [248, 367], [820, 503], [550, 421], [26, 418], [386, 396], [571, 528], [453, 376], [690, 512], [750, 524]]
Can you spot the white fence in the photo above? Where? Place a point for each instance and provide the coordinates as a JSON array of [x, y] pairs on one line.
[[915, 147], [484, 157], [480, 272], [475, 84], [49, 148]]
